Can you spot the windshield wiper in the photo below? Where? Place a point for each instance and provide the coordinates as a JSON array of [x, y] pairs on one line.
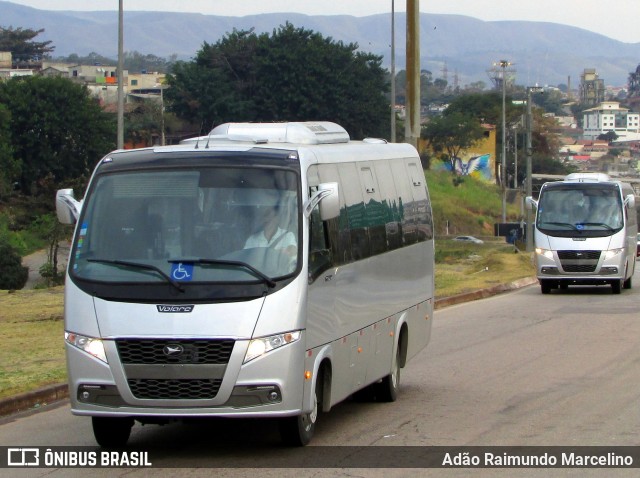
[[572, 226], [137, 265], [267, 280]]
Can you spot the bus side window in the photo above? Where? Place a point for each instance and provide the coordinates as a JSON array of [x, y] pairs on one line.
[[320, 257]]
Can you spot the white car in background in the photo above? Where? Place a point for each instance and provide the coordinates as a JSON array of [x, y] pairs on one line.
[[472, 239]]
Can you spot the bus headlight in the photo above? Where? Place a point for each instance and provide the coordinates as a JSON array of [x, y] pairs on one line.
[[545, 253], [259, 347], [611, 253], [89, 345]]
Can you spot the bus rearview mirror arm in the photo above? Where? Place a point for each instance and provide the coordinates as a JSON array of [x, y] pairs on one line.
[[327, 198], [630, 201]]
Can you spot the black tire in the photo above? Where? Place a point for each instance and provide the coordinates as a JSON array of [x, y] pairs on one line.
[[627, 284], [545, 286], [298, 430], [112, 432], [616, 286], [387, 389]]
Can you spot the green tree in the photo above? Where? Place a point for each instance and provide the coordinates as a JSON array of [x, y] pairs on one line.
[[56, 128], [293, 74], [452, 133], [19, 41], [9, 166], [609, 136], [634, 83]]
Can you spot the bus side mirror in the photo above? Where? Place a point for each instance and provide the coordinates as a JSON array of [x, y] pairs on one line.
[[531, 203], [328, 200], [67, 208], [630, 201]]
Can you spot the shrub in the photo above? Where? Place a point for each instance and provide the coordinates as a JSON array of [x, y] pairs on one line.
[[13, 275]]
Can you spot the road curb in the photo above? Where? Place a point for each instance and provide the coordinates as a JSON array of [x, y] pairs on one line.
[[483, 293], [53, 393], [33, 400]]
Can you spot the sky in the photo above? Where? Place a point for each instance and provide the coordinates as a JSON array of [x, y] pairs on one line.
[[618, 19]]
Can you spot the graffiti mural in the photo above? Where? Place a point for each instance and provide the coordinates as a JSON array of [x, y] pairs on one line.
[[479, 166]]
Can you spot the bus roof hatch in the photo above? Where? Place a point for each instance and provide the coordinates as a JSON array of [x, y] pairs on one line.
[[310, 132]]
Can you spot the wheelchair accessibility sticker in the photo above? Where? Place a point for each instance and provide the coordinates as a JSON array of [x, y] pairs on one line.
[[181, 271]]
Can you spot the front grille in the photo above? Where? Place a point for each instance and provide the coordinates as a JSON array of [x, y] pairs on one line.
[[152, 351], [174, 389], [579, 261], [570, 255], [579, 267]]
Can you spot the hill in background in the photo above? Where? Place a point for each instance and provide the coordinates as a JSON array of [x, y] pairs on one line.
[[542, 53]]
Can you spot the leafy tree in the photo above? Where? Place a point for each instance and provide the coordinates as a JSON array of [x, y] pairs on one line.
[[56, 128], [551, 100], [133, 61], [9, 166], [92, 58], [486, 107], [293, 74], [136, 61], [452, 133], [19, 42], [609, 136], [634, 83]]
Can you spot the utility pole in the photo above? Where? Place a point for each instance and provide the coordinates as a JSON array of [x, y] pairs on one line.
[[412, 122], [393, 71], [515, 157], [529, 188], [504, 64], [120, 76]]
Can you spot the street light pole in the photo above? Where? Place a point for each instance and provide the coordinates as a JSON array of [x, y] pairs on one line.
[[503, 172]]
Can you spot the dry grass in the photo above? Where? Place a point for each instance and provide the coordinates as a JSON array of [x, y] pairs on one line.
[[32, 352], [483, 266], [31, 322]]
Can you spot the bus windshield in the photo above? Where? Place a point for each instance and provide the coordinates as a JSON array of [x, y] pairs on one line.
[[595, 209], [181, 226]]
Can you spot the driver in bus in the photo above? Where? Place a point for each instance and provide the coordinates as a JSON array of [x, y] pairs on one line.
[[267, 230]]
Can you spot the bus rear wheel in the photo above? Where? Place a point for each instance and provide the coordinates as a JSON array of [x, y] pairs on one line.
[[387, 389]]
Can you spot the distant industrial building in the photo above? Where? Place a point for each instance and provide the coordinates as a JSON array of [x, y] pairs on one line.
[[591, 88]]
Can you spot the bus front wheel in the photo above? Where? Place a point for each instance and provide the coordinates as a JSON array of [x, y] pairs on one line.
[[545, 286], [298, 430], [616, 286], [112, 432]]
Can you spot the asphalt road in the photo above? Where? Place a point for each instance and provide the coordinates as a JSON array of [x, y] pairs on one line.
[[516, 369]]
